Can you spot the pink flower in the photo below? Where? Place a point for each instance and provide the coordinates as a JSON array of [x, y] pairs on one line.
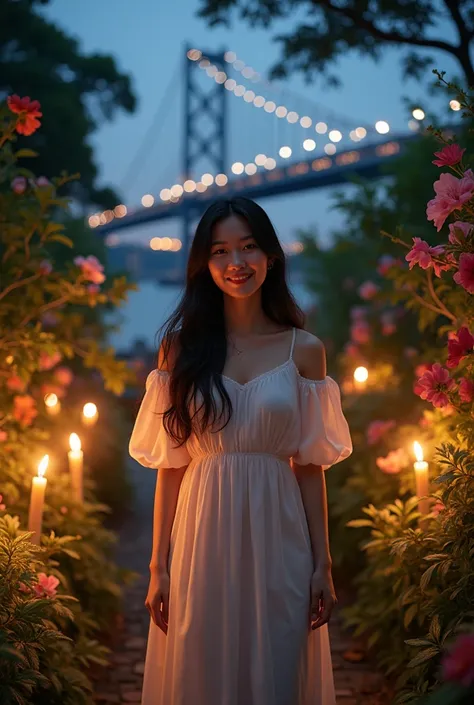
[[16, 384], [385, 263], [63, 510], [47, 362], [46, 585], [422, 368], [24, 409], [466, 390], [393, 462], [91, 268], [360, 332], [421, 253], [64, 375], [19, 184], [465, 275], [459, 346], [435, 384], [410, 352], [42, 181], [45, 267], [2, 505], [455, 238], [351, 350], [451, 194], [449, 155], [3, 436], [24, 588], [358, 312], [458, 664], [368, 290], [438, 507], [377, 429], [388, 324], [93, 289]]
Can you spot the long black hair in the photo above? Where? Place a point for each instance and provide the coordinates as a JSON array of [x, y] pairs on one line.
[[196, 330]]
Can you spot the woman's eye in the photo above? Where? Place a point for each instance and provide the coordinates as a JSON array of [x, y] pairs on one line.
[[250, 244]]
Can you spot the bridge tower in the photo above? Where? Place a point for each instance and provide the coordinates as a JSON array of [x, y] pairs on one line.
[[205, 127]]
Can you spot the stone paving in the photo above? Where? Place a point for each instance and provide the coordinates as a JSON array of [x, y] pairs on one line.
[[356, 681]]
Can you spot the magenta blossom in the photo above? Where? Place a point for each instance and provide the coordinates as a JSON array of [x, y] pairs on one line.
[[368, 290], [46, 585], [42, 181], [454, 237], [377, 429], [421, 253], [2, 505], [384, 264], [388, 323], [64, 375], [435, 384], [458, 664], [91, 268], [459, 346], [449, 155], [465, 274], [360, 332], [47, 362], [393, 462], [451, 194], [466, 390], [358, 312], [45, 267], [93, 289], [19, 184]]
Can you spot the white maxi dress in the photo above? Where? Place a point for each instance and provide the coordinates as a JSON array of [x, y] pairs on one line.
[[240, 559]]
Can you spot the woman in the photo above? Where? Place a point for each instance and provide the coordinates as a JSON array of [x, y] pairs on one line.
[[241, 420]]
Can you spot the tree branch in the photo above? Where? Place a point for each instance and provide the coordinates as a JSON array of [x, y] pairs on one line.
[[394, 37]]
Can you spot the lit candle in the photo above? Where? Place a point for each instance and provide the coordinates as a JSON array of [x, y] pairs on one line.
[[422, 478], [52, 404], [89, 414], [361, 375], [75, 457], [38, 487]]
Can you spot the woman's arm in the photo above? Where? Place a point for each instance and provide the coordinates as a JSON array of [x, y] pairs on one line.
[[168, 483], [313, 493]]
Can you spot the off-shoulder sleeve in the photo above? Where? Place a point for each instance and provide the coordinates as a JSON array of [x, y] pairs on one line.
[[325, 436], [149, 443]]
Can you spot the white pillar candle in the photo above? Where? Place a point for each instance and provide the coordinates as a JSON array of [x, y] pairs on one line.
[[52, 404], [89, 414], [38, 488], [76, 466], [421, 478]]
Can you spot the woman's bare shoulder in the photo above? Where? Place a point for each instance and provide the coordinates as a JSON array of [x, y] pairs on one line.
[[309, 355]]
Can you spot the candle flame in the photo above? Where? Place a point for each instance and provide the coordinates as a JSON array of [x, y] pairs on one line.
[[51, 399], [43, 465], [89, 410], [361, 374], [418, 451], [74, 442]]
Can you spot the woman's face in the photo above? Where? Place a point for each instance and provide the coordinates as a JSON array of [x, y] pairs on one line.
[[237, 264]]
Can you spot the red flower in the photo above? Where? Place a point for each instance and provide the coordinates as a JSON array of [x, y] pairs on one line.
[[466, 390], [434, 385], [459, 345], [449, 155], [458, 664], [465, 275], [28, 112]]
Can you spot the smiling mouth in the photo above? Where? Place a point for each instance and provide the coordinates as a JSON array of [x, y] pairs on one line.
[[239, 279]]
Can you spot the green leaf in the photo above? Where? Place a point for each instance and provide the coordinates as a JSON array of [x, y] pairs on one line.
[[423, 656], [24, 153], [57, 237], [357, 523]]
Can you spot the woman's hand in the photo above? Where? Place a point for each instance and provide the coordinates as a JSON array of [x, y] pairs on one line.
[[323, 597], [158, 599]]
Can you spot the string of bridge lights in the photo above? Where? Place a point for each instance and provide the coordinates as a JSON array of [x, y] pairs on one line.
[[269, 106], [173, 194]]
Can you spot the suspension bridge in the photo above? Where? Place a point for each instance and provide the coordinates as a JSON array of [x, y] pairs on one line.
[[290, 144]]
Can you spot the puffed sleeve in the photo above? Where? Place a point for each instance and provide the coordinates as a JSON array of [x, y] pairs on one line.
[[325, 436], [149, 443]]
